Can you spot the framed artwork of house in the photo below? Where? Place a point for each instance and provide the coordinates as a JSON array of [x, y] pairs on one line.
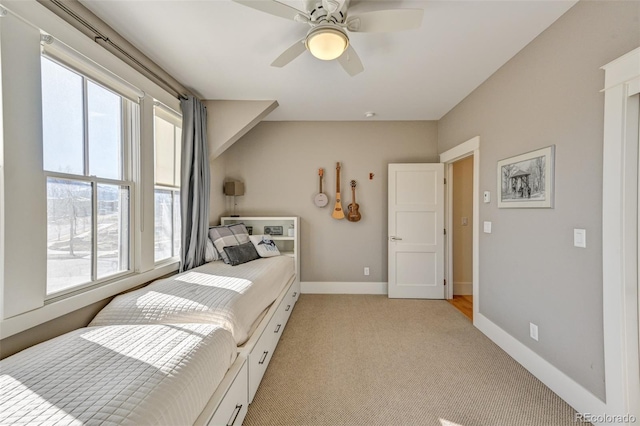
[[526, 180]]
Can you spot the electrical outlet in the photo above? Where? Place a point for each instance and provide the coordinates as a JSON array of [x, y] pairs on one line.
[[533, 331], [366, 270]]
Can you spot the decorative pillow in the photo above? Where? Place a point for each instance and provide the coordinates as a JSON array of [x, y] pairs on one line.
[[264, 245], [242, 253], [228, 236], [211, 254]]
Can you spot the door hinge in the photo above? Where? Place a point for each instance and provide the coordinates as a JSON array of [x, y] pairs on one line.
[[445, 282], [445, 181], [445, 231]]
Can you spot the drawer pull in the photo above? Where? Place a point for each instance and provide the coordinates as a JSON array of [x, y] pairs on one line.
[[288, 307], [235, 414], [264, 357], [278, 328], [295, 294]]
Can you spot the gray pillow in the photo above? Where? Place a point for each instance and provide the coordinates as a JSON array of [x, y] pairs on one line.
[[229, 235], [242, 253]]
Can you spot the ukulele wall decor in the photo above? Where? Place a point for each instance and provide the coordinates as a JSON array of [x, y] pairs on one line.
[[354, 214], [337, 209]]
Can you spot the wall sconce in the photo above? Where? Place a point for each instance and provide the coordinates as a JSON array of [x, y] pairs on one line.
[[233, 188]]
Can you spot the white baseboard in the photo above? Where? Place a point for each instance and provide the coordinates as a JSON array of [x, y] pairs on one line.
[[574, 394], [333, 287], [460, 288]]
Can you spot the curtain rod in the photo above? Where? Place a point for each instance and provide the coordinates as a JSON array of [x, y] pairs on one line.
[[100, 36]]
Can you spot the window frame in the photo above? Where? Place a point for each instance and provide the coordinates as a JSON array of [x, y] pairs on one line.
[[174, 118], [130, 139]]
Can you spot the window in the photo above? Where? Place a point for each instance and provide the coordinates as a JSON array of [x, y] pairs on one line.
[[86, 161], [168, 136]]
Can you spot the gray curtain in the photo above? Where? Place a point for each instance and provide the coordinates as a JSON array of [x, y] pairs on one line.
[[194, 192]]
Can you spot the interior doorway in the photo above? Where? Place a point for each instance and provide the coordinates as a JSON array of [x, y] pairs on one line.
[[466, 154], [461, 235]]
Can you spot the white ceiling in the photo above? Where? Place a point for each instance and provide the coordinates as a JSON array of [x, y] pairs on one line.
[[222, 50]]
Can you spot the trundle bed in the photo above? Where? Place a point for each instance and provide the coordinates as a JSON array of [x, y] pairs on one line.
[[189, 349]]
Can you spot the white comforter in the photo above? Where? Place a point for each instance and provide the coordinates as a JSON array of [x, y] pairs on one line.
[[126, 374], [214, 293]]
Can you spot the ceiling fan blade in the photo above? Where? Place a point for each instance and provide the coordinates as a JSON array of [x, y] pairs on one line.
[[386, 21], [350, 61], [290, 54], [275, 8]]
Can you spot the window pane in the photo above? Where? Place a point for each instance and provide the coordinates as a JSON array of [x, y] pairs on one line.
[[165, 157], [62, 119], [163, 224], [105, 132], [177, 225], [69, 245], [113, 229]]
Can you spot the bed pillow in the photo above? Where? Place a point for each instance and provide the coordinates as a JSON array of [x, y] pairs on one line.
[[211, 253], [264, 245], [228, 236], [242, 253]]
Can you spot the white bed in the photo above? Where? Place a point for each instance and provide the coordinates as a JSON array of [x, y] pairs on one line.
[[232, 296], [124, 374]]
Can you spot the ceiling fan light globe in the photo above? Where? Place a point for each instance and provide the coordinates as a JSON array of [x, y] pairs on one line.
[[327, 43]]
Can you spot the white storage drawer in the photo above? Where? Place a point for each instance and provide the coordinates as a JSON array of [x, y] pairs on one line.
[[260, 356], [288, 302], [233, 407]]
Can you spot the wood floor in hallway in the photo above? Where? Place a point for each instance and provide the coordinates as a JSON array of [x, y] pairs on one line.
[[464, 303]]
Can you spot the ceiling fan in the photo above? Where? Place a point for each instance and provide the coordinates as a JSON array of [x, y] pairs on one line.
[[327, 39]]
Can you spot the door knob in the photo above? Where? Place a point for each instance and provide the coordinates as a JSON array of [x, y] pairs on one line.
[[393, 238]]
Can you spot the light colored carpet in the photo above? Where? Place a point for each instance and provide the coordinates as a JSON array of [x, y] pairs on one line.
[[370, 360]]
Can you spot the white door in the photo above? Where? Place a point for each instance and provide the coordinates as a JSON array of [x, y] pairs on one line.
[[416, 231]]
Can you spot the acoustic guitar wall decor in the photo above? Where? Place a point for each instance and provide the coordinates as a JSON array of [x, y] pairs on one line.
[[354, 214], [337, 209]]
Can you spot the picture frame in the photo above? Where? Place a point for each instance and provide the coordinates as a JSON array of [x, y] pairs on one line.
[[527, 180], [273, 230]]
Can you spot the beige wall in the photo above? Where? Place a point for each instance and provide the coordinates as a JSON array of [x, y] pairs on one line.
[[279, 161], [549, 94], [462, 237]]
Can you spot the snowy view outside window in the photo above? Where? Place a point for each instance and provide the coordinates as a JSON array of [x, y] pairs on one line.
[[88, 196], [168, 136]]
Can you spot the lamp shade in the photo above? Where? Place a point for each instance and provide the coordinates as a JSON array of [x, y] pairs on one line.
[[233, 188], [326, 43]]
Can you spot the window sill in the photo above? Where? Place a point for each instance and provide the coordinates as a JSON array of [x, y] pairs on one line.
[[57, 308]]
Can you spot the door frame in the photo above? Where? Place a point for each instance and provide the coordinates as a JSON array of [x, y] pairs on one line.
[[620, 234], [463, 150]]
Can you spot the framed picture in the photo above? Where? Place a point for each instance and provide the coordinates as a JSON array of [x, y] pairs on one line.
[[273, 230], [526, 180]]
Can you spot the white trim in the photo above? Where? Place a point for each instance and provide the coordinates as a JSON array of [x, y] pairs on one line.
[[465, 149], [621, 70], [333, 287], [458, 152], [574, 394], [619, 235]]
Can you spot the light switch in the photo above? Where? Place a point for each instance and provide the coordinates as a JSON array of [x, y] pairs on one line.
[[487, 227], [580, 238], [465, 221], [487, 196]]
